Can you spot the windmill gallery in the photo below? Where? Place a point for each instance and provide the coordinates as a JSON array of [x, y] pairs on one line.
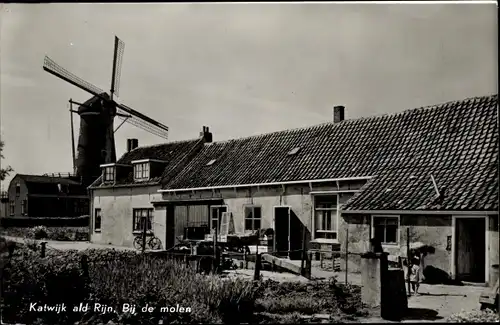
[[65, 195]]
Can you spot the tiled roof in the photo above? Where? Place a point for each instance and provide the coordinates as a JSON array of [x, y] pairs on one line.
[[172, 153], [456, 141], [47, 179]]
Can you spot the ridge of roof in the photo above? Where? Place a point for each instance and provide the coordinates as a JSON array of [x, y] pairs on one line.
[[356, 120], [164, 144]]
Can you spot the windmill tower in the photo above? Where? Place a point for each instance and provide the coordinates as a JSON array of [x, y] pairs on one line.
[[96, 142]]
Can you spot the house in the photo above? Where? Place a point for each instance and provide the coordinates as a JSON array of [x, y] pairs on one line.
[[125, 191], [429, 171], [46, 196]]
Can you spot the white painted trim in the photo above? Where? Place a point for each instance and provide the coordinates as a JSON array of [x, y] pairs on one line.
[[114, 165], [333, 192], [140, 161], [398, 233], [486, 244], [266, 184], [424, 212], [252, 205], [289, 207]]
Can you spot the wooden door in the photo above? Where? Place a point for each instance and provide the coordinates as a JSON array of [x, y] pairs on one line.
[[470, 253]]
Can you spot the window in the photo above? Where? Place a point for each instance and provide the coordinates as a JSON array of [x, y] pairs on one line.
[[109, 174], [18, 189], [386, 229], [211, 162], [12, 206], [325, 217], [252, 218], [97, 220], [24, 207], [138, 220], [216, 216], [141, 171]]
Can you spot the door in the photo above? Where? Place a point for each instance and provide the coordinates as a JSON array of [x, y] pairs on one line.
[[170, 230], [297, 234], [470, 238], [281, 230]]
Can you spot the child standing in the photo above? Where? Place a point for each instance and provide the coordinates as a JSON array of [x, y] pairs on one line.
[[415, 274]]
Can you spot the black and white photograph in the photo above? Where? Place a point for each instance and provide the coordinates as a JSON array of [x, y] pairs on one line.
[[249, 162]]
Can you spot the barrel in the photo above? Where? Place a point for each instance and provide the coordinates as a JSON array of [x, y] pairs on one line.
[[493, 275]]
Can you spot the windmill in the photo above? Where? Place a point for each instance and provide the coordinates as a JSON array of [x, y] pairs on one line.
[[96, 142]]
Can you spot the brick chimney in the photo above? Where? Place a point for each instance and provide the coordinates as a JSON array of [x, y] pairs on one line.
[[132, 144], [206, 134], [338, 114]]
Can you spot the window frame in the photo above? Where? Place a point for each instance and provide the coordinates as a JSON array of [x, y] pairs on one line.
[[398, 229], [337, 216], [12, 207], [18, 189], [150, 216], [97, 213], [142, 171], [24, 207], [251, 206], [218, 219], [106, 174]]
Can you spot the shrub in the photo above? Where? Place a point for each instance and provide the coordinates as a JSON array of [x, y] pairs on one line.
[[486, 316], [38, 232], [116, 278]]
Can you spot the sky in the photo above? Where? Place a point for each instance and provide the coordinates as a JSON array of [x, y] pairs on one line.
[[240, 68]]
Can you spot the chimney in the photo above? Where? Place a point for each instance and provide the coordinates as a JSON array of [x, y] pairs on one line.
[[132, 144], [206, 134], [338, 114]]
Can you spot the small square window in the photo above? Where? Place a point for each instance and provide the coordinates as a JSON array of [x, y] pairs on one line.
[[109, 174]]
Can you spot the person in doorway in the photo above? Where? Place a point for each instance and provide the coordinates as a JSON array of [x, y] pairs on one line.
[[415, 274]]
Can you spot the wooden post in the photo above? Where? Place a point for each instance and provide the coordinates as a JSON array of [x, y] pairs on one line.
[[304, 253], [408, 259], [346, 252], [256, 275], [144, 232], [215, 250], [245, 258], [42, 252]]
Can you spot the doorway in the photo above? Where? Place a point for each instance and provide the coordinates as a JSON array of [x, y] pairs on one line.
[[281, 231], [470, 253]]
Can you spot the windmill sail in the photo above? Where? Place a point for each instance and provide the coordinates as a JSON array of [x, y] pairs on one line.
[[96, 143]]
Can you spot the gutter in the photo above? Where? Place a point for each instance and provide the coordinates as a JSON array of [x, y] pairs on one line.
[[420, 212], [310, 182]]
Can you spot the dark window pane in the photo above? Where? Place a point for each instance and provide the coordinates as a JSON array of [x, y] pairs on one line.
[[256, 224], [248, 212], [248, 224], [379, 233], [391, 234], [256, 211]]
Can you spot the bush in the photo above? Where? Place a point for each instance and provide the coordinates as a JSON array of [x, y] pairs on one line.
[[486, 316], [116, 278], [38, 232]]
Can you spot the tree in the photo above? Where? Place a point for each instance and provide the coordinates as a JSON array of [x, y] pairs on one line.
[[4, 172]]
